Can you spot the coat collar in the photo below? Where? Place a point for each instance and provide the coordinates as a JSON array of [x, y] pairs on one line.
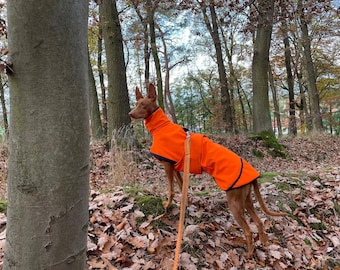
[[156, 120]]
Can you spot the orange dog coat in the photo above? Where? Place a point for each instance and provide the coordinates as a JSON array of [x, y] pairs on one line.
[[228, 169]]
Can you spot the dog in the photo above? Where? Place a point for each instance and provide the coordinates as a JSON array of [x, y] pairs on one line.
[[231, 173]]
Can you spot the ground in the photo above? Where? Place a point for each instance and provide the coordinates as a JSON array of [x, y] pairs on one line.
[[128, 187]]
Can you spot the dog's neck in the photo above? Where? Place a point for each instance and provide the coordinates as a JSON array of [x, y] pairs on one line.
[[156, 120]]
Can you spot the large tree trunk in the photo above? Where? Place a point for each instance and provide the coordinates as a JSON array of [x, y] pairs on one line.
[[118, 99], [311, 76], [261, 110], [49, 136]]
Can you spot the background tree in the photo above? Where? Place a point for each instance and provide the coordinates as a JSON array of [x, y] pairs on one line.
[[49, 136], [310, 70], [3, 105], [101, 79], [95, 119], [260, 65], [292, 130], [118, 98], [212, 26]]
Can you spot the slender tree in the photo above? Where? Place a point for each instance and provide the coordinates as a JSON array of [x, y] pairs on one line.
[[96, 123], [3, 106], [152, 32], [292, 129], [101, 78], [277, 115], [310, 70], [146, 49], [49, 136], [118, 98], [213, 29]]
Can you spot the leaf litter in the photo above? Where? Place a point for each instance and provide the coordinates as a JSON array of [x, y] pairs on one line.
[[124, 235]]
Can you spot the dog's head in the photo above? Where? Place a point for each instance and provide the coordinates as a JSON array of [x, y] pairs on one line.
[[145, 105]]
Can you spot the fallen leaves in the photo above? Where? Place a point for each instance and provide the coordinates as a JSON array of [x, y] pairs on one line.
[[123, 232]]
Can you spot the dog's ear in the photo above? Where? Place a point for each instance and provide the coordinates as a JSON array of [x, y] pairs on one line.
[[138, 94], [152, 92]]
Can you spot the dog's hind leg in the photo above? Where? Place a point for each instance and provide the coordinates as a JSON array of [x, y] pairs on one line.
[[179, 179], [252, 212], [169, 171], [236, 201]]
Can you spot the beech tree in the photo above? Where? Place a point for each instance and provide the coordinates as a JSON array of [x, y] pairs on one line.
[[260, 65], [49, 136]]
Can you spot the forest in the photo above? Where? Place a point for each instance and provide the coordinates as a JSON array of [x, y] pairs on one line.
[[259, 77]]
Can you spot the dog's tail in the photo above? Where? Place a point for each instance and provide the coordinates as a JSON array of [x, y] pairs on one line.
[[262, 203]]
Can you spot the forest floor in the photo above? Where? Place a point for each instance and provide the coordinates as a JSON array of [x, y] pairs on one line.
[[128, 187]]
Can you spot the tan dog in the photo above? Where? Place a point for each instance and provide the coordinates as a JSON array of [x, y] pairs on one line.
[[231, 173]]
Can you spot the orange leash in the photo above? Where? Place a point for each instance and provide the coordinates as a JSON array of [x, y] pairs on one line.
[[184, 200]]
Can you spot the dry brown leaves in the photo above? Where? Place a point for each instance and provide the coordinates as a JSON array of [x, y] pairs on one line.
[[307, 185]]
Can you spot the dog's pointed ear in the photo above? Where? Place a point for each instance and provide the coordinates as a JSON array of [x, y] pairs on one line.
[[138, 94], [152, 92]]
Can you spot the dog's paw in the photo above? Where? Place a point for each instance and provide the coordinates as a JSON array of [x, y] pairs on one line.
[[249, 254], [264, 239], [166, 204]]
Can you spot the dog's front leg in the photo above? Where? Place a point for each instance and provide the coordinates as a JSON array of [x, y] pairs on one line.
[[169, 170], [179, 179]]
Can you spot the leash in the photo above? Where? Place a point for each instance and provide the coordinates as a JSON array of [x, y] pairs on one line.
[[184, 199]]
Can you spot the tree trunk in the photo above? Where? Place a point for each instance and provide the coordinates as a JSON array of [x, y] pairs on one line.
[[275, 101], [101, 80], [168, 103], [225, 96], [292, 130], [118, 99], [261, 110], [311, 76], [96, 123], [3, 107], [151, 21], [146, 50], [49, 136]]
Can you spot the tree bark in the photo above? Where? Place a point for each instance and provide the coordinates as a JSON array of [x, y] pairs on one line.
[[49, 136], [118, 97], [261, 110]]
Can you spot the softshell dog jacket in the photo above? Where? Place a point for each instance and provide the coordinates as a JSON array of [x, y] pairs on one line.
[[228, 169]]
